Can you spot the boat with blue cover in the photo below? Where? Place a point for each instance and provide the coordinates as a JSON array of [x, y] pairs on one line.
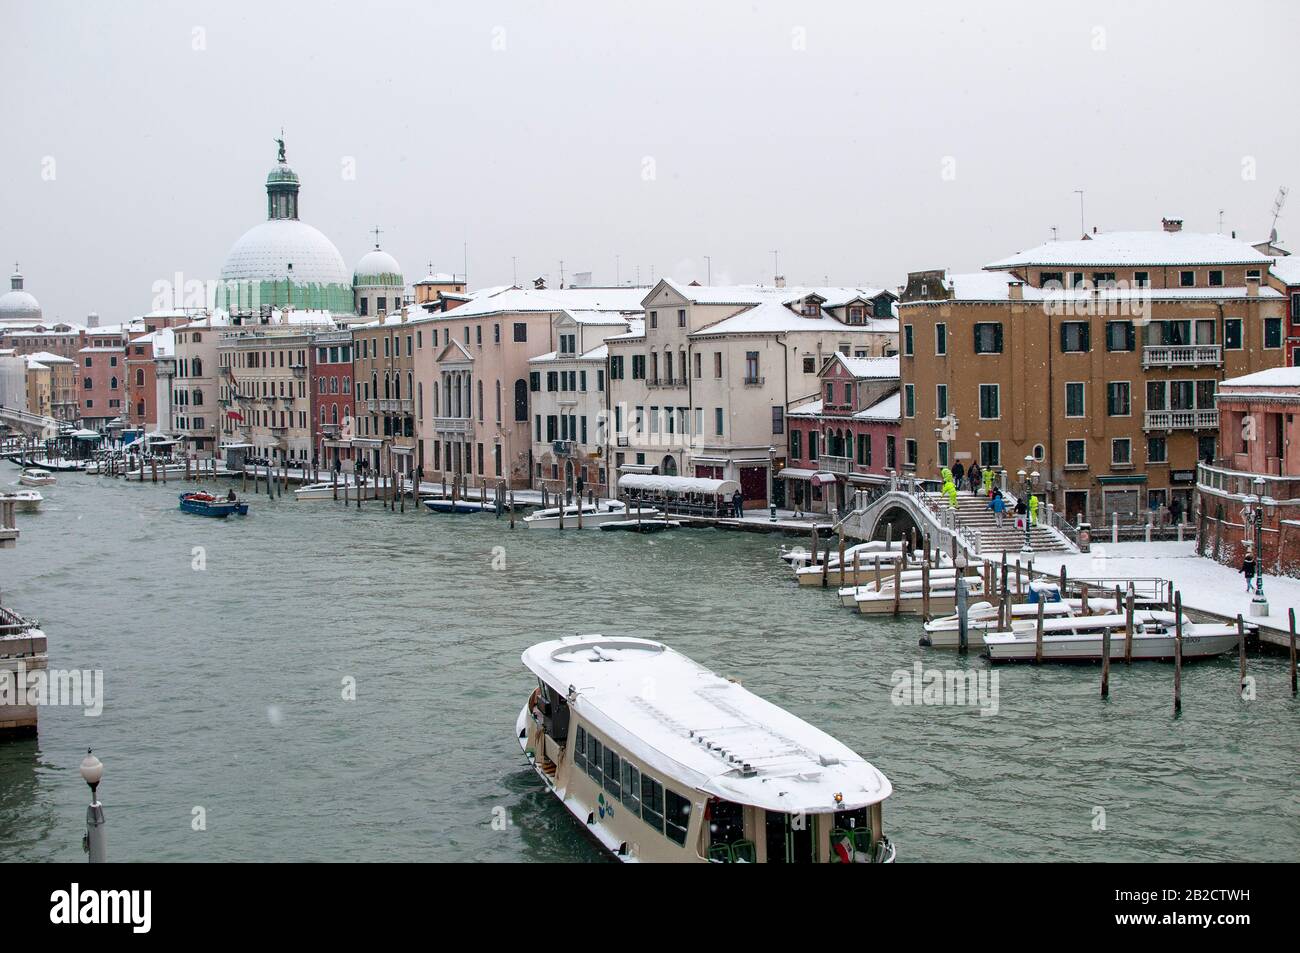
[[205, 504]]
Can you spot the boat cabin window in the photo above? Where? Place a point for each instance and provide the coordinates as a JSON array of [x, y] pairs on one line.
[[652, 802], [726, 822], [791, 838], [580, 749], [632, 788], [555, 713], [677, 817], [613, 765], [595, 753]]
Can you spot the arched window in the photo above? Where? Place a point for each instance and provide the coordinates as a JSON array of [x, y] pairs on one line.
[[374, 385], [410, 391], [139, 377], [112, 383], [521, 401], [479, 396], [388, 386], [196, 364]]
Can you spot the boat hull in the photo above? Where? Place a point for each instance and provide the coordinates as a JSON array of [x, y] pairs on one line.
[[457, 507], [1089, 648]]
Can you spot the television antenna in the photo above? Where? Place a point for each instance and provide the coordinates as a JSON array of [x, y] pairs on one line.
[[1277, 210]]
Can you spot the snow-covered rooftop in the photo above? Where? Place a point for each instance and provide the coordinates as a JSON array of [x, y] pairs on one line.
[[773, 316], [996, 286], [871, 367], [702, 732], [1287, 269], [887, 408], [1138, 248], [588, 301], [1273, 377]]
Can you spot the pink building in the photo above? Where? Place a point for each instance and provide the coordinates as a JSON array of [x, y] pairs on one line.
[[101, 385], [332, 405], [848, 438], [1259, 439]]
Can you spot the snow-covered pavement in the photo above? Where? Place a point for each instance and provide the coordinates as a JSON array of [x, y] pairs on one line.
[[1204, 584]]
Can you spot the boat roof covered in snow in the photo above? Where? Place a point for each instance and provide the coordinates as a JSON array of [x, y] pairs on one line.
[[700, 729]]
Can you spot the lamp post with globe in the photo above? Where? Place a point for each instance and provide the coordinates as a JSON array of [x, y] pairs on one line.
[[95, 841], [1258, 604]]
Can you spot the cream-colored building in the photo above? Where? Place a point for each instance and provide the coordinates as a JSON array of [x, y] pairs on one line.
[[52, 386], [473, 406], [263, 390], [195, 385], [568, 392], [704, 388]]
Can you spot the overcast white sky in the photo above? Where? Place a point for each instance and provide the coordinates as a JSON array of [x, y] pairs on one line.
[[530, 129]]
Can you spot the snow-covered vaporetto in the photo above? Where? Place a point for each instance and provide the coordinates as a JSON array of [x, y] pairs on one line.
[[665, 761]]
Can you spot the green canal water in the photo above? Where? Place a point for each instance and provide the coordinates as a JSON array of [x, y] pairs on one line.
[[224, 691]]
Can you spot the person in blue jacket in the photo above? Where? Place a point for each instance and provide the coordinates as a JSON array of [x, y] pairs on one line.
[[998, 506]]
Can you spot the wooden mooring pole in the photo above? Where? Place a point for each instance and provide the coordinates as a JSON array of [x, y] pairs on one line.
[[1105, 662], [1241, 649], [1291, 619], [1178, 652], [1038, 635]]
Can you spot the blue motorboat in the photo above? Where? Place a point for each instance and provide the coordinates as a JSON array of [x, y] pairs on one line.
[[205, 504], [445, 504]]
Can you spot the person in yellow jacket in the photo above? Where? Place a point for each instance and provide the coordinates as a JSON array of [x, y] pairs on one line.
[[1033, 511]]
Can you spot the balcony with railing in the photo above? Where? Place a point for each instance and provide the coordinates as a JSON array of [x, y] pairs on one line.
[[1182, 355], [451, 424], [386, 405], [840, 466], [752, 381], [1181, 420]]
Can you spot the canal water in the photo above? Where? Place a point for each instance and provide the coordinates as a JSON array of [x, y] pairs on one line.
[[226, 647]]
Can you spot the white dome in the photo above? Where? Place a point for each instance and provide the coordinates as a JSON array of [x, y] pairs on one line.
[[19, 306], [266, 251], [377, 268]]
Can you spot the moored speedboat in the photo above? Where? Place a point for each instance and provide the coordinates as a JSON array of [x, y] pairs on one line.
[[35, 476], [593, 514], [1080, 638], [205, 504], [445, 504], [640, 526], [700, 771], [346, 488], [981, 617]]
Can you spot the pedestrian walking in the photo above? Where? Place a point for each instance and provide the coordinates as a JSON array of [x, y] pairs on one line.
[[738, 504], [998, 506], [1248, 568]]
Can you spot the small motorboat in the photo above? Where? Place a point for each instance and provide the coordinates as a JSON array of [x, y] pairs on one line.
[[347, 487], [35, 476], [205, 504], [640, 526], [445, 504], [981, 617], [593, 515], [1081, 638], [28, 501]]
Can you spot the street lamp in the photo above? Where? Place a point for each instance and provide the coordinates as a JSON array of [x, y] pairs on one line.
[[1258, 604], [95, 841]]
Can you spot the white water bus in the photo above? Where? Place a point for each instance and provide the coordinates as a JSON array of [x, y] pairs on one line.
[[699, 770]]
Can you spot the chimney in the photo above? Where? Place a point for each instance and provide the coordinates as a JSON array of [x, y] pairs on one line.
[[1016, 289], [1252, 286], [92, 320], [1171, 225]]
